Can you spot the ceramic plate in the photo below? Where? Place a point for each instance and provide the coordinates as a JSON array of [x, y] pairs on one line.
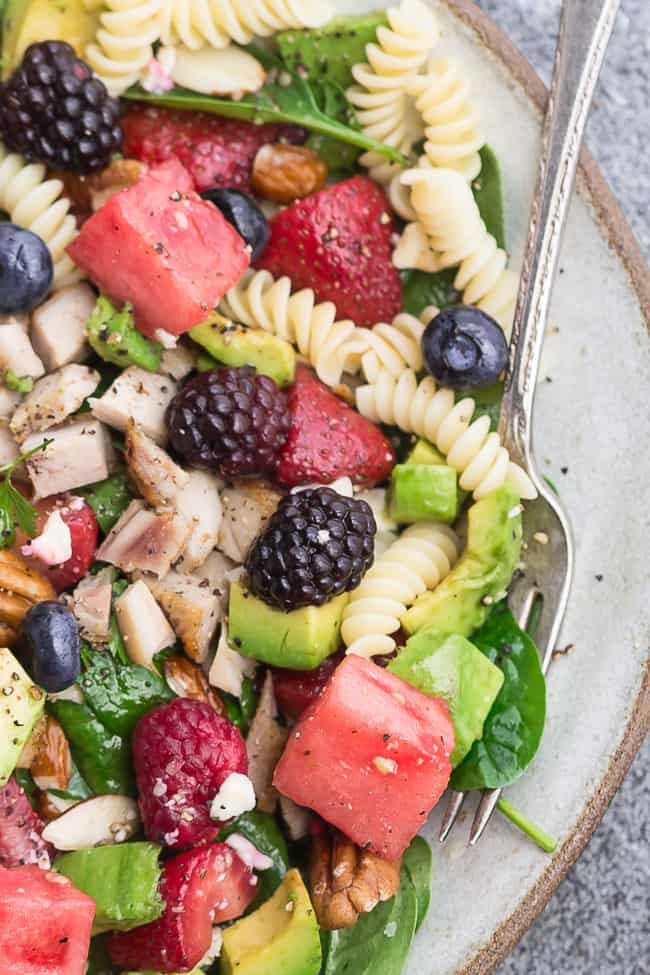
[[592, 438]]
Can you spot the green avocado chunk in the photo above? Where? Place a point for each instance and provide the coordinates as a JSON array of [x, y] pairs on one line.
[[329, 53], [26, 22], [461, 603], [238, 345], [114, 337], [299, 640], [423, 492], [122, 880], [280, 938], [425, 453], [452, 668], [21, 705]]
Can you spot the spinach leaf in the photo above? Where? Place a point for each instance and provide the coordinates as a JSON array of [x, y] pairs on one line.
[[488, 193], [420, 289], [77, 788], [330, 52], [241, 710], [379, 942], [24, 779], [99, 962], [264, 833], [514, 726], [109, 499], [488, 402], [103, 759], [120, 695], [418, 863]]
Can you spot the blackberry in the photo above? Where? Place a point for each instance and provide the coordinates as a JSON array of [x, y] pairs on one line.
[[54, 110], [317, 545], [230, 419]]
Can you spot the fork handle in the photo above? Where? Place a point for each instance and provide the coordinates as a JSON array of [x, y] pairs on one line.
[[585, 29]]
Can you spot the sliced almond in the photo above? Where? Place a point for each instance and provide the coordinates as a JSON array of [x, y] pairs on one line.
[[212, 71], [101, 821]]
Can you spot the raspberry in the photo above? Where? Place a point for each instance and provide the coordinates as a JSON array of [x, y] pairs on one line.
[[182, 753], [20, 830], [317, 545], [233, 420]]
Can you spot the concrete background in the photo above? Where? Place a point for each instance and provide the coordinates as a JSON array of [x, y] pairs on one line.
[[598, 923]]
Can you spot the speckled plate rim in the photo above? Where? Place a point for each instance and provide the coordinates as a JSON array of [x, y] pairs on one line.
[[617, 232]]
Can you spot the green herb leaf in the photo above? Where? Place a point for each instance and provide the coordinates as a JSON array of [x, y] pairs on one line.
[[487, 401], [24, 779], [418, 863], [420, 289], [108, 499], [514, 726], [264, 833], [103, 758], [18, 384], [15, 510], [488, 193], [120, 695]]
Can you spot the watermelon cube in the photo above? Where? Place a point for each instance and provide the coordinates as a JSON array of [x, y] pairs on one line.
[[45, 923], [162, 248], [371, 756]]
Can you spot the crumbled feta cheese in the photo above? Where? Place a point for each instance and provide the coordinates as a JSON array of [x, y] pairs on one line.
[[342, 486], [236, 796], [166, 339], [249, 853], [54, 545]]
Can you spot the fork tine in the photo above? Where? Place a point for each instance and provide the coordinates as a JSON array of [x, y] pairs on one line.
[[487, 805], [454, 805]]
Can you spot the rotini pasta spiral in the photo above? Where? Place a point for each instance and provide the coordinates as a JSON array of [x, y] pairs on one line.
[[459, 238], [419, 560], [123, 44], [385, 108], [216, 22], [36, 203], [432, 413], [392, 347]]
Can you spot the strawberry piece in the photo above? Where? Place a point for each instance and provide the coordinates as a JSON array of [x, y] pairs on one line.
[[200, 888], [327, 439], [338, 242], [80, 518], [183, 752], [21, 843], [295, 690], [216, 151]]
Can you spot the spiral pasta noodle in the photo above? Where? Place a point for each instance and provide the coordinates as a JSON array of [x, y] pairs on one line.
[[459, 238], [196, 23], [478, 455], [392, 347], [381, 95], [36, 203], [418, 561], [123, 44]]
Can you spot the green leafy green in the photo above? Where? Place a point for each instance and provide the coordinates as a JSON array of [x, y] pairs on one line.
[[241, 710], [109, 499], [18, 384], [103, 758], [99, 962], [514, 726], [418, 863], [264, 833], [116, 645], [329, 53], [24, 779], [488, 193], [15, 510], [113, 336], [488, 402], [77, 788], [420, 289], [120, 695]]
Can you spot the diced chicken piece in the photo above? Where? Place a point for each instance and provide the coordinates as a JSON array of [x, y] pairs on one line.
[[59, 326], [80, 453], [246, 509], [264, 746], [53, 399], [8, 447], [144, 540], [140, 395], [155, 475], [200, 504], [143, 625], [179, 362], [22, 320], [91, 605], [17, 352], [229, 668], [9, 400], [192, 608], [215, 573]]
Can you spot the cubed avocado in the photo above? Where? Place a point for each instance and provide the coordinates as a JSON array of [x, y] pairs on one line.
[[21, 705], [238, 345], [425, 453], [122, 880], [114, 337], [280, 938], [329, 53], [423, 492], [26, 22], [452, 668], [461, 603], [299, 640]]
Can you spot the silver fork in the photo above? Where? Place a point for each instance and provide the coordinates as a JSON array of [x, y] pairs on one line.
[[545, 579]]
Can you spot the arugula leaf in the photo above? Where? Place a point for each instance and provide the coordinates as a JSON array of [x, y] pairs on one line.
[[488, 193], [418, 863], [513, 729], [18, 384], [103, 758], [264, 833], [420, 289], [120, 695], [108, 499], [15, 510]]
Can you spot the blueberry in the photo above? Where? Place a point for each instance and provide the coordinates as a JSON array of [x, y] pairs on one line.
[[49, 646], [243, 213], [25, 269], [464, 347]]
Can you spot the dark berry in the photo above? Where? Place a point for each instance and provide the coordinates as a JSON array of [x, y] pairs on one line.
[[25, 269], [243, 213], [49, 646], [230, 419], [317, 545], [464, 347], [54, 110]]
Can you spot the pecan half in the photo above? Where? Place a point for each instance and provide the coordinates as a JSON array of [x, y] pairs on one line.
[[346, 881], [21, 587], [87, 193], [285, 173], [52, 763], [188, 680]]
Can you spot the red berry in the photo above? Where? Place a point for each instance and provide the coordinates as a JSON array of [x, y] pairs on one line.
[[295, 690], [84, 535], [182, 753], [327, 439], [339, 243], [200, 888], [216, 151], [21, 842]]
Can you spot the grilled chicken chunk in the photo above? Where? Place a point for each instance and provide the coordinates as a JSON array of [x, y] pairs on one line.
[[53, 399], [91, 605], [193, 609], [200, 504], [247, 506], [58, 330], [144, 540], [155, 475], [143, 625], [17, 352], [80, 453], [139, 395]]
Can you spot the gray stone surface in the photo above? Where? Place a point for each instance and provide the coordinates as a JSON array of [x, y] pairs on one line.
[[599, 921]]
